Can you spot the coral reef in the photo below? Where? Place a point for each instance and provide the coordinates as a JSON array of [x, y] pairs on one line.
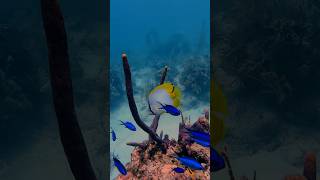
[[192, 77], [155, 158], [149, 162]]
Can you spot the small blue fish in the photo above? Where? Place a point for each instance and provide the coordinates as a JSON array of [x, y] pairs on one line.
[[216, 161], [190, 162], [121, 168], [199, 135], [170, 109], [178, 170], [129, 125], [113, 135], [202, 142]]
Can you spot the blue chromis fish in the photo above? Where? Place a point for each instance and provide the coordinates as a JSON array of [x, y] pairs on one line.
[[216, 161], [178, 170], [167, 94], [170, 109], [190, 162], [121, 168], [199, 135], [203, 143], [113, 135], [129, 125]]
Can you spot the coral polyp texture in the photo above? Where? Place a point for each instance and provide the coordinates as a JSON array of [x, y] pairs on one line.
[[149, 162]]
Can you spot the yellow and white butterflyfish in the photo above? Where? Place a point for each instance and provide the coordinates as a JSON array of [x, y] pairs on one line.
[[218, 114], [167, 94]]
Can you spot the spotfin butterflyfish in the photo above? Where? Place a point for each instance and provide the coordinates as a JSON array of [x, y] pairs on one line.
[[165, 94]]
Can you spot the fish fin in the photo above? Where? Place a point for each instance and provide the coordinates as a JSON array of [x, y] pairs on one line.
[[115, 155], [160, 103], [122, 123], [188, 129], [162, 106]]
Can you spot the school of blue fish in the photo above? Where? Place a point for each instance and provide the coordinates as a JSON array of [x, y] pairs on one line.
[[117, 163], [201, 138]]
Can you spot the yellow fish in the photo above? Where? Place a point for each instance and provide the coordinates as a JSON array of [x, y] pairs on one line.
[[166, 93], [218, 113]]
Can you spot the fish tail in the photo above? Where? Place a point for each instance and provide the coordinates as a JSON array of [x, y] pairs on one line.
[[160, 104], [188, 129], [174, 155], [114, 155]]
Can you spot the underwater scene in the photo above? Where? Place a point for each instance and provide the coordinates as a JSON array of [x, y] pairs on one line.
[[31, 147], [266, 59], [159, 89]]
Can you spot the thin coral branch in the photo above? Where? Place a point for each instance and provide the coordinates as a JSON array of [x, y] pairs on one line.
[[60, 78], [164, 74], [155, 122], [134, 144], [161, 134], [132, 103], [182, 119]]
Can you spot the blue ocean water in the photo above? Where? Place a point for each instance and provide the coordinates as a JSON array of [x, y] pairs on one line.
[[155, 34]]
